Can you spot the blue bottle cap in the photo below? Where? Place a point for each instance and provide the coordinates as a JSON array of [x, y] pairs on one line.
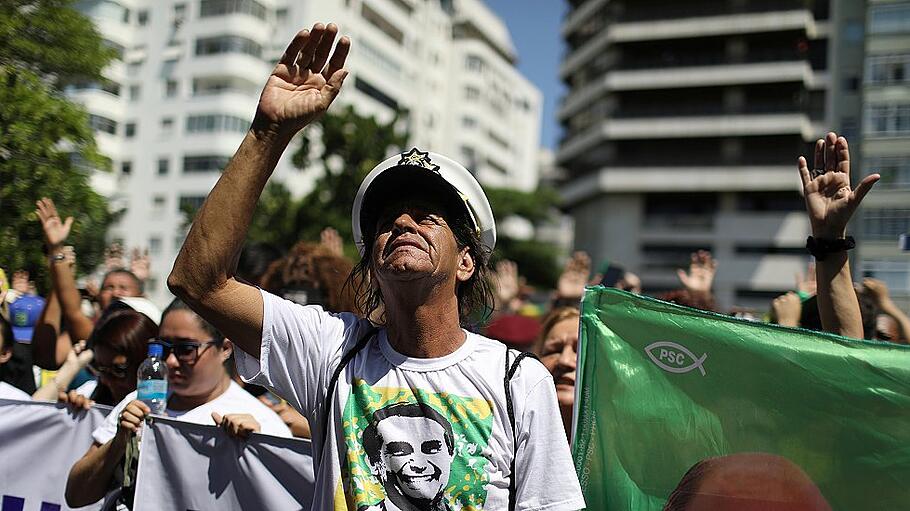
[[156, 350]]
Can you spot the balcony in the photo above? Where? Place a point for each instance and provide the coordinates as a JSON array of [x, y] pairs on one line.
[[694, 27]]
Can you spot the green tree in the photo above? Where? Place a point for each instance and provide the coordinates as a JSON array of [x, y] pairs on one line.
[[47, 147], [537, 260]]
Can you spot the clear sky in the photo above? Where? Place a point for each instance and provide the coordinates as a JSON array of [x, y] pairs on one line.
[[534, 25]]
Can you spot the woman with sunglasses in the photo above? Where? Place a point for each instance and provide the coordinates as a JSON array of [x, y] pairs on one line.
[[199, 391]]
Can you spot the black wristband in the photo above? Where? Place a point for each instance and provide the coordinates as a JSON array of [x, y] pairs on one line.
[[821, 247]]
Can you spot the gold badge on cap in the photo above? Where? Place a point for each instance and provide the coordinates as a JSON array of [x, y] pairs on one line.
[[418, 159]]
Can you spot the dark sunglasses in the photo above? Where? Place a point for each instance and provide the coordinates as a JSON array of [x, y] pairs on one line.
[[113, 371], [186, 350]]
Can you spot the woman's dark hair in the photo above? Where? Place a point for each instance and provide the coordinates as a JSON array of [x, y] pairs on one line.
[[178, 305], [126, 332], [475, 294]]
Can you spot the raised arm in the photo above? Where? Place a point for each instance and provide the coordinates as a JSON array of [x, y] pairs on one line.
[[300, 89], [62, 269], [830, 202]]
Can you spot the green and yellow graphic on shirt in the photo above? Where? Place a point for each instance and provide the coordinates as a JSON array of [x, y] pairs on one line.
[[405, 445]]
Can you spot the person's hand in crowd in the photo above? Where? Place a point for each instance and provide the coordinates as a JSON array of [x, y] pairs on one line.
[[237, 425], [20, 282], [306, 80], [805, 282], [331, 240], [830, 201], [293, 419], [78, 357], [505, 284], [74, 401], [55, 230], [629, 282], [574, 277], [91, 287], [878, 291], [113, 257], [140, 264], [130, 420], [700, 277], [786, 309]]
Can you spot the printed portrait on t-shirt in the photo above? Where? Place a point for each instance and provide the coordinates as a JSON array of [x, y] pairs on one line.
[[415, 451]]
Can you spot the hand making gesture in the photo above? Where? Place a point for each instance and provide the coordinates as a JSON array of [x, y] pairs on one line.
[[830, 202], [56, 230], [306, 80]]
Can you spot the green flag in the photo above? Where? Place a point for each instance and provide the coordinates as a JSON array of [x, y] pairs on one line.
[[765, 417]]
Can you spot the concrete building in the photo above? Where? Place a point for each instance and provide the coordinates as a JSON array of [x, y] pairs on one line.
[[180, 97], [886, 146], [683, 121]]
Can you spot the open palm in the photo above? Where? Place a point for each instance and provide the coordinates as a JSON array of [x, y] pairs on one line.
[[830, 202], [55, 230], [303, 85]]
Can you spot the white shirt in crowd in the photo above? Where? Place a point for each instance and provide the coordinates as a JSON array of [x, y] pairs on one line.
[[233, 400], [8, 391], [430, 430]]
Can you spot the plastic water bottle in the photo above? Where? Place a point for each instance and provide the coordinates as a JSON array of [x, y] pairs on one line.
[[152, 380]]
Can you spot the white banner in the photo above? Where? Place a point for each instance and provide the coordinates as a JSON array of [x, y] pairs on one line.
[[186, 466], [39, 443]]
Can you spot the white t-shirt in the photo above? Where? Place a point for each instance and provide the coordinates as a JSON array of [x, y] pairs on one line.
[[435, 431], [234, 400], [8, 391]]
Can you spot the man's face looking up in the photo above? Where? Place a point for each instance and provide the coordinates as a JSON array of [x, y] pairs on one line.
[[415, 456]]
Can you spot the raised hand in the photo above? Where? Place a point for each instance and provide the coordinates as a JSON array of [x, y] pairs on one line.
[[306, 80], [574, 276], [877, 290], [331, 240], [786, 309], [700, 277], [20, 282], [55, 230], [830, 202], [113, 257], [505, 283], [806, 282], [139, 264]]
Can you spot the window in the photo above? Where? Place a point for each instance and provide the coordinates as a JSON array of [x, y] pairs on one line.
[[885, 224], [126, 15], [118, 49], [889, 19], [888, 69], [769, 202], [163, 166], [130, 131], [167, 125], [126, 167], [170, 88], [102, 124], [888, 119], [158, 202], [379, 58], [221, 7], [216, 122], [895, 273], [179, 14], [189, 204], [214, 85], [133, 68], [373, 92], [474, 63], [895, 170], [205, 163], [228, 44], [155, 245], [468, 122], [471, 93], [142, 17], [134, 93]]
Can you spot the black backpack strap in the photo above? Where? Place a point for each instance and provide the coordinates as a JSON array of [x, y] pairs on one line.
[[510, 372], [345, 359]]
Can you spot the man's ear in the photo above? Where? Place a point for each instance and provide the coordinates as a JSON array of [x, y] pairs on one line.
[[227, 349], [5, 356], [465, 266]]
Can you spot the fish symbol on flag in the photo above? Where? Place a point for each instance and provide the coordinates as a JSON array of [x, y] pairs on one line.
[[672, 357]]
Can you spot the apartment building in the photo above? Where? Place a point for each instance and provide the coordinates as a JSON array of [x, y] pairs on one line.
[[182, 92], [886, 146], [682, 123]]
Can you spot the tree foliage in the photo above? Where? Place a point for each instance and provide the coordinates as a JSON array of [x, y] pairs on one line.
[[46, 145]]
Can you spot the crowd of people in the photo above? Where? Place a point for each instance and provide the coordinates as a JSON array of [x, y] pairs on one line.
[[263, 339]]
